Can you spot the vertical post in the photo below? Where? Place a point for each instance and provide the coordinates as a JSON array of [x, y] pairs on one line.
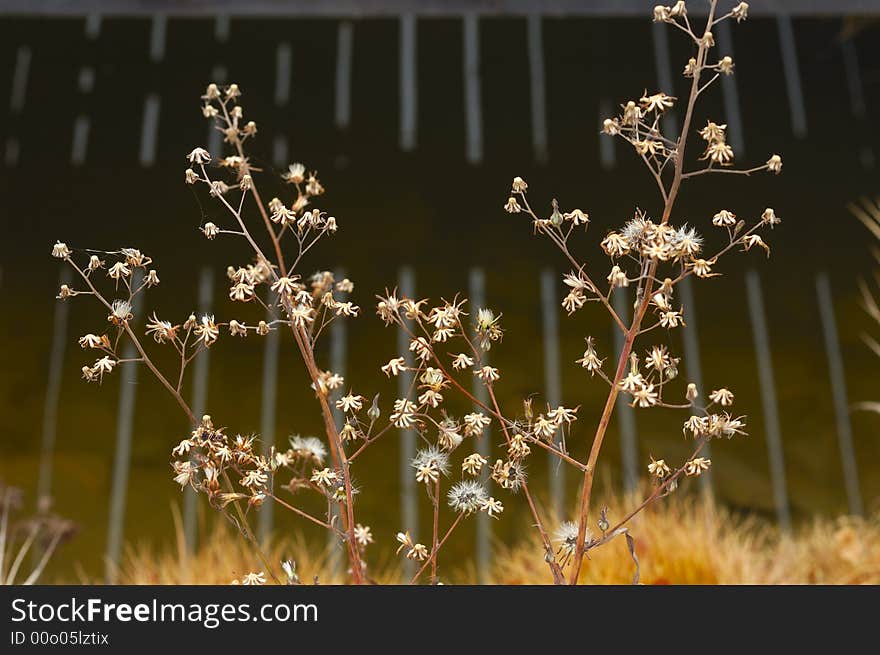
[[839, 395], [768, 399], [409, 508], [215, 137], [792, 75], [53, 392], [856, 95], [20, 79], [157, 38], [221, 29], [409, 98], [730, 92], [282, 97], [626, 417], [552, 380], [664, 75], [692, 364], [199, 405], [85, 85], [128, 377], [268, 405], [607, 156], [472, 98], [282, 73], [344, 47], [93, 26], [338, 364], [149, 130], [483, 555], [17, 100], [535, 39]]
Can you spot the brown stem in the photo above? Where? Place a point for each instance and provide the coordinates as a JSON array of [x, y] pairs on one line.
[[638, 315], [337, 450], [437, 549], [435, 532]]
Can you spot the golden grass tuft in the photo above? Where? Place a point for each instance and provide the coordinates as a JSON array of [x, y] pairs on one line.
[[681, 541]]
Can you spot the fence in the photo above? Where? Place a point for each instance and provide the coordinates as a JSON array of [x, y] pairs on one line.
[[474, 152], [408, 85]]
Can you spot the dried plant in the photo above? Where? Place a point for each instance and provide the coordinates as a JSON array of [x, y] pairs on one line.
[[868, 212], [36, 538], [648, 257]]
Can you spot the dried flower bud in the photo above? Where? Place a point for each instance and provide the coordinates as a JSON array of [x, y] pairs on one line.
[[210, 230], [691, 394], [610, 126], [512, 206], [661, 14], [199, 156], [60, 250]]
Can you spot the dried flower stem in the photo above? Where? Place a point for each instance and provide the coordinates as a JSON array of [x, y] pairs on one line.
[[638, 315]]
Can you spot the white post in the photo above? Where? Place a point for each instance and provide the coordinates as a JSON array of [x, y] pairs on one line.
[[483, 555], [730, 92], [20, 79], [344, 48], [82, 123], [552, 380], [629, 449], [409, 515], [856, 95], [17, 100], [93, 26], [839, 395], [535, 40], [472, 97], [607, 156], [149, 130], [215, 137], [282, 74], [199, 405], [768, 399], [268, 404], [283, 58], [692, 365], [792, 76], [53, 392], [221, 29], [664, 75], [157, 38], [409, 98], [128, 378]]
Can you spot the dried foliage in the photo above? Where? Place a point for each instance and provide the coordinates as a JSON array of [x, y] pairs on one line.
[[679, 542], [448, 340], [27, 544]]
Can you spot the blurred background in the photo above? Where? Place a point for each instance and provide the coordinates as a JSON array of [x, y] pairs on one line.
[[416, 116]]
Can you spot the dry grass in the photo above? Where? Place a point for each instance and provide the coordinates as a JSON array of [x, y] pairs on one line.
[[689, 542], [677, 542]]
